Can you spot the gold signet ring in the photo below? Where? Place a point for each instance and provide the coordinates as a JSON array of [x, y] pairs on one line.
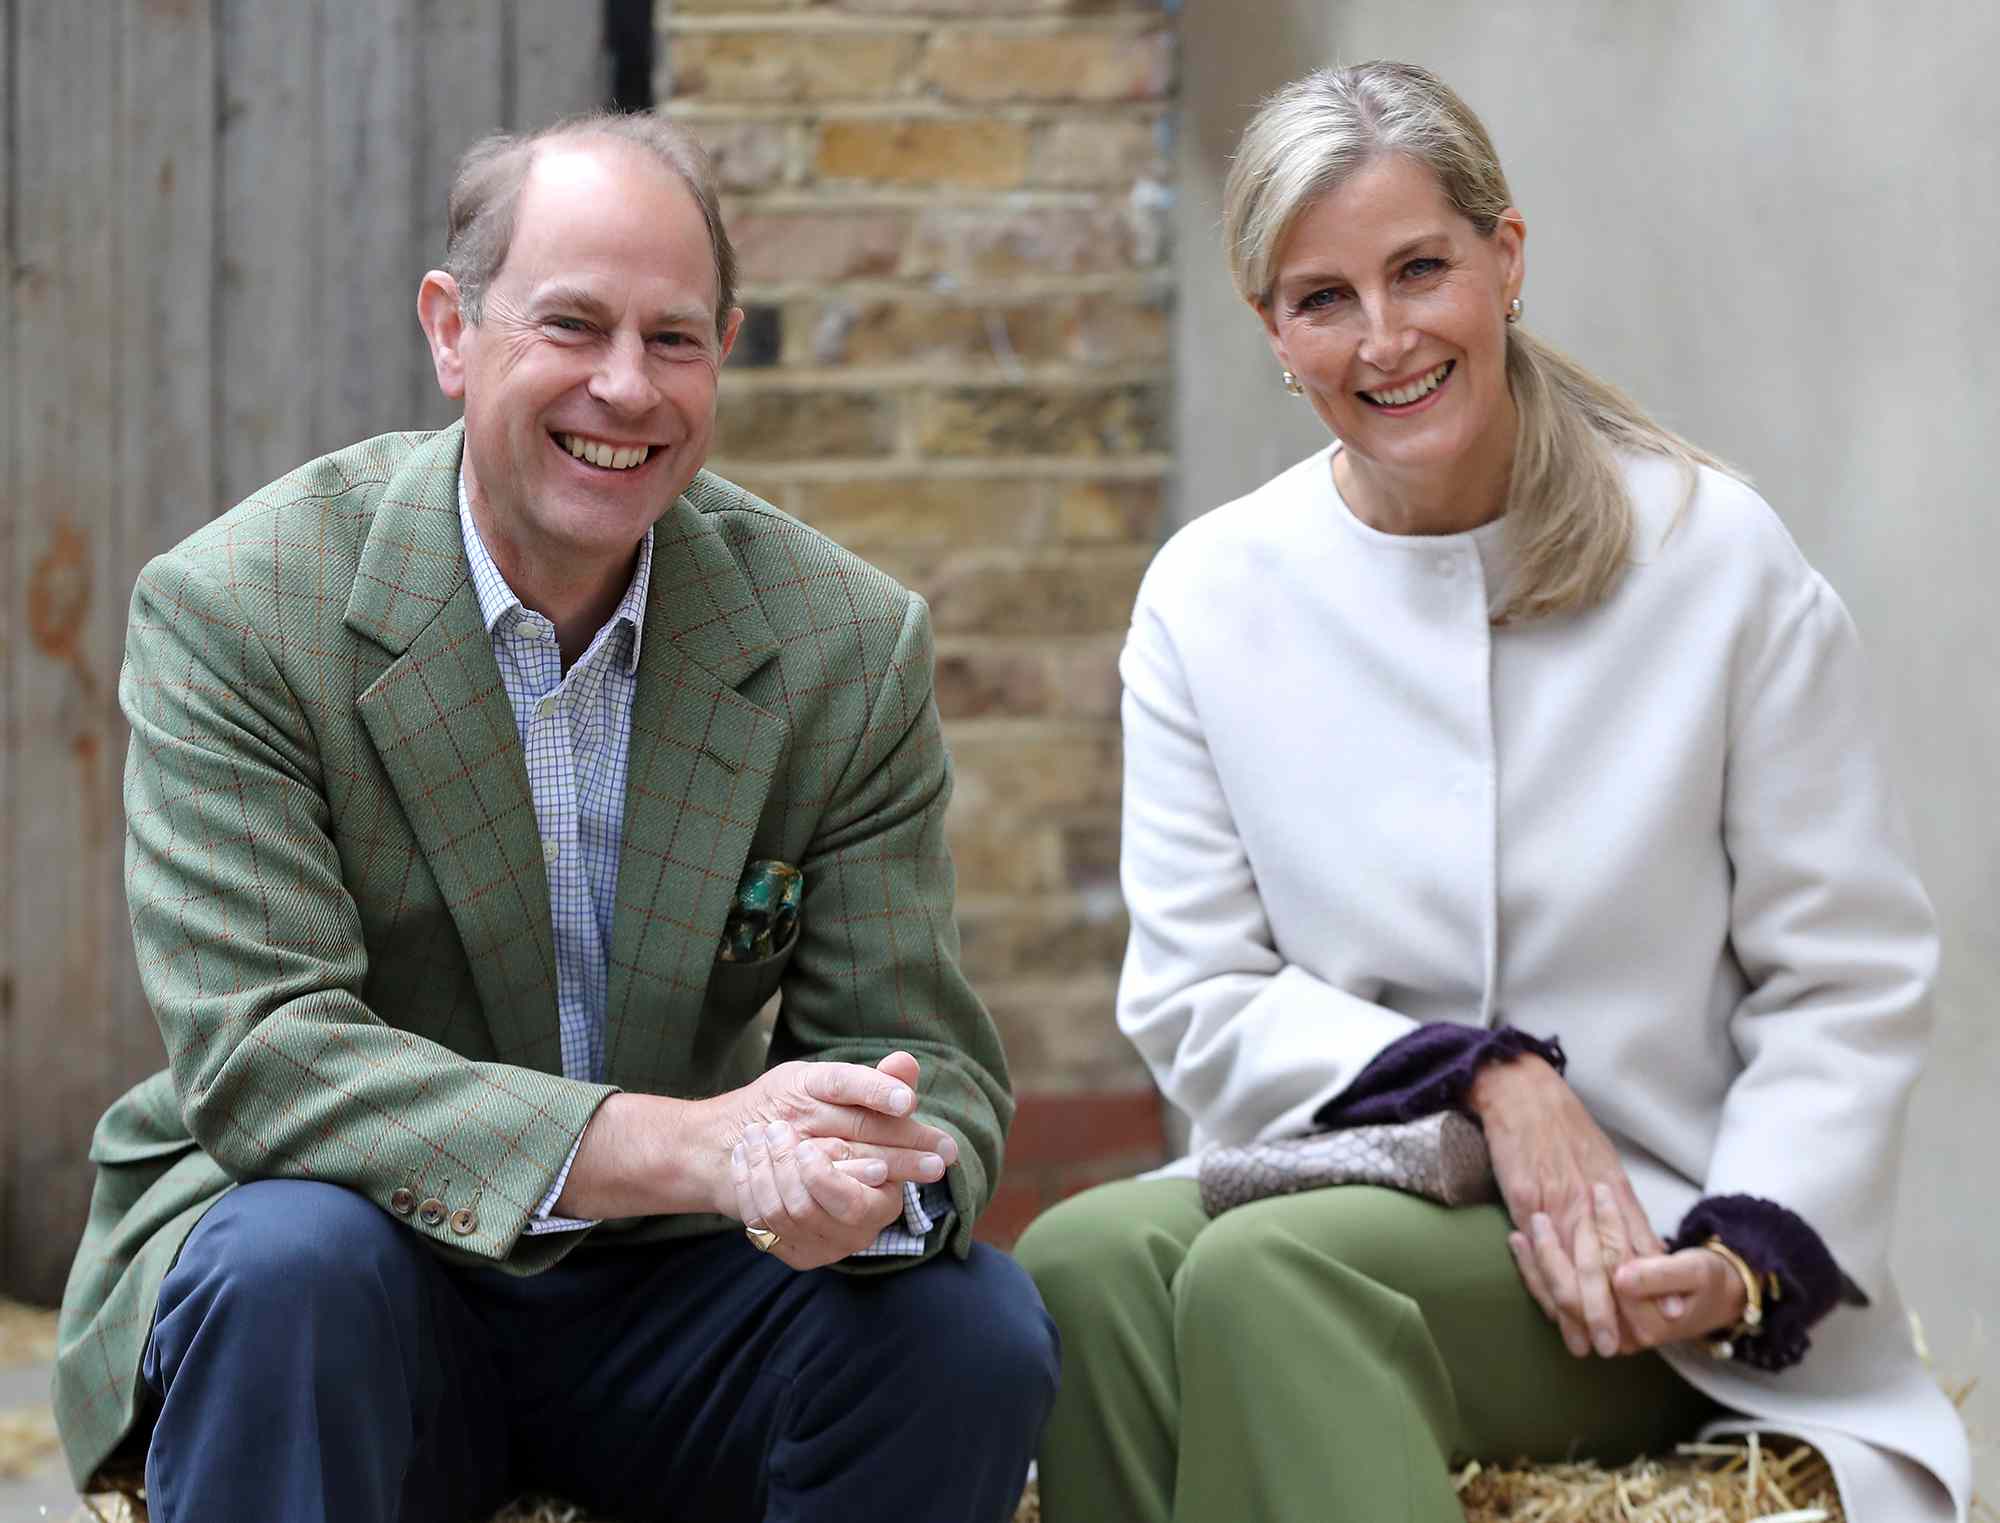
[[761, 1238]]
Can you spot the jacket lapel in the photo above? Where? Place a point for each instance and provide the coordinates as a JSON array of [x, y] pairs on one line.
[[446, 735], [701, 764]]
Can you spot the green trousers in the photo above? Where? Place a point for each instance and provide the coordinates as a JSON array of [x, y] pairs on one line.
[[1320, 1357]]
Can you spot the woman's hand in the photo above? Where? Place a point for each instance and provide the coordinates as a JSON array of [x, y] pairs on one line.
[[1550, 1159], [1706, 1285], [1600, 1250]]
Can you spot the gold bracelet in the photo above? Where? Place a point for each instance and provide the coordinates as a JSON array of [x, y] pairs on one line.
[[1723, 1345]]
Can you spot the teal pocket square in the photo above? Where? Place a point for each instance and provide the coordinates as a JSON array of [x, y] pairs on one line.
[[765, 915]]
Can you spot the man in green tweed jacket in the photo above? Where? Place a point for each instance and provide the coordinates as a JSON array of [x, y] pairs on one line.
[[483, 787]]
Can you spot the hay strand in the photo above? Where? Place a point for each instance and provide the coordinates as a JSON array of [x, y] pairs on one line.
[[27, 1334], [1749, 1482], [27, 1438], [1702, 1483]]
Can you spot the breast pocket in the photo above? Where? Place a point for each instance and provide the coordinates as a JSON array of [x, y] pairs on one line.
[[737, 1013], [743, 987]]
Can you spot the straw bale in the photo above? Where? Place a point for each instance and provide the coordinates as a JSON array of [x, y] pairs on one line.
[[27, 1334], [26, 1439], [1749, 1482], [1703, 1483]]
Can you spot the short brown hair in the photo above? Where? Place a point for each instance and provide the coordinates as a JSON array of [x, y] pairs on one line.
[[479, 213]]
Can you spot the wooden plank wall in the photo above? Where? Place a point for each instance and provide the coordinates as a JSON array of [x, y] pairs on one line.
[[214, 217]]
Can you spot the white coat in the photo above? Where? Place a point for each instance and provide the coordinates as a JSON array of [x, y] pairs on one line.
[[1659, 830]]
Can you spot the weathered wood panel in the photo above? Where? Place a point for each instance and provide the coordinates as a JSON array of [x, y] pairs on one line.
[[10, 490], [166, 425], [457, 107], [559, 65], [273, 352], [219, 213], [63, 592], [369, 160]]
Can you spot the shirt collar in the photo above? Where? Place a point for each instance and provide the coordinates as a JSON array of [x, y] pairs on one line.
[[497, 600]]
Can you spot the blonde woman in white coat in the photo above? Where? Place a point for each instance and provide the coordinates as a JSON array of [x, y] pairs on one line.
[[1504, 756]]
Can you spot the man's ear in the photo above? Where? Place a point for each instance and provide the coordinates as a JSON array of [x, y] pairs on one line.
[[730, 326], [444, 328]]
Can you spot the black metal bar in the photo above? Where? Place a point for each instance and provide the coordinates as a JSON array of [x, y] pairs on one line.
[[628, 39]]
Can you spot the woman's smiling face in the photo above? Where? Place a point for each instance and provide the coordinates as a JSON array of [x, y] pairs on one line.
[[1390, 308]]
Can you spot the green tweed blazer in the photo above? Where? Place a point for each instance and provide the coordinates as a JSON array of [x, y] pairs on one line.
[[339, 903]]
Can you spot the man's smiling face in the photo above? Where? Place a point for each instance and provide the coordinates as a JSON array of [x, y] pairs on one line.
[[589, 381]]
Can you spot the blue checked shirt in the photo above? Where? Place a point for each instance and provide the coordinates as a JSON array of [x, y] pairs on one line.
[[576, 733]]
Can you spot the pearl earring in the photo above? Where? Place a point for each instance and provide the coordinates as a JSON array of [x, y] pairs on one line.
[[1514, 310], [1292, 384]]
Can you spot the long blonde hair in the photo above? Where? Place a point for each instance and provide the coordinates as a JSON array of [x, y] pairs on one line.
[[1568, 516]]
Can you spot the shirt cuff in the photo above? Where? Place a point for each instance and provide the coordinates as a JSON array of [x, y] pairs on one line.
[[922, 1206], [543, 1220], [1429, 1071], [1773, 1242]]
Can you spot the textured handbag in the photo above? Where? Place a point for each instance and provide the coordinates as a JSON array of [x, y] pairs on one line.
[[1441, 1157]]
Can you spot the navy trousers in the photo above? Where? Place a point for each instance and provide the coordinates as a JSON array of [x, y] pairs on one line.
[[315, 1363]]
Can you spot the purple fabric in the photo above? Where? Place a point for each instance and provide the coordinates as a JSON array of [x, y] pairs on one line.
[[1428, 1071], [1771, 1240]]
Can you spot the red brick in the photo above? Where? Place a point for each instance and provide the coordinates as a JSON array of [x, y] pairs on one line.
[[983, 243], [1065, 679], [775, 246], [1095, 151], [1064, 1129], [924, 331], [996, 855], [1007, 1215], [978, 679], [1096, 330], [983, 421], [1090, 856], [804, 425], [1011, 592], [1042, 940], [1083, 678], [1060, 1184], [926, 513], [749, 155], [1062, 1034], [766, 64], [1036, 766], [1111, 510], [978, 8], [920, 151], [1068, 65]]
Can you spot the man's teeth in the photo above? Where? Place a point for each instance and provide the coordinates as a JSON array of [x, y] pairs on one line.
[[1418, 389], [609, 456]]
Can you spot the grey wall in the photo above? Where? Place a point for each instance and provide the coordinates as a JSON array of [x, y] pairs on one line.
[[1776, 222]]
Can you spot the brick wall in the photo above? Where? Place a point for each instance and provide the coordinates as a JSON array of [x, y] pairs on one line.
[[952, 221]]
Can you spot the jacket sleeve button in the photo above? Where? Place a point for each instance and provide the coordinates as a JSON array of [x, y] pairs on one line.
[[403, 1202], [463, 1222], [431, 1212]]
